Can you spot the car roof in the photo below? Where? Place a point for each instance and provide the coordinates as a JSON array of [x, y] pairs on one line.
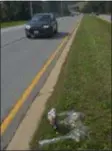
[[43, 14]]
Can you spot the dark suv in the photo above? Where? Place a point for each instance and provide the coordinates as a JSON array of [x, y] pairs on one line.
[[43, 24]]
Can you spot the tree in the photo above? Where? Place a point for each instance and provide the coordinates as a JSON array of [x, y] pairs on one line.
[[20, 10], [98, 6]]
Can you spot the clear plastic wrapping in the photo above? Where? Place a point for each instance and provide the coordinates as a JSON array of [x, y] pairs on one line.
[[76, 129]]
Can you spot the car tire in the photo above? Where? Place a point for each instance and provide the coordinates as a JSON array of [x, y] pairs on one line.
[[51, 33], [56, 31], [28, 36]]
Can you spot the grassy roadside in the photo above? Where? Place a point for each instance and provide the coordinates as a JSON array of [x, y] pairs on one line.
[[13, 23], [84, 85]]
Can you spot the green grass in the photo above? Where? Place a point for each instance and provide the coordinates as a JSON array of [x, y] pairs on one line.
[[13, 23], [84, 85]]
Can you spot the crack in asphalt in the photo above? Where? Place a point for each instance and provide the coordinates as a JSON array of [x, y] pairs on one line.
[[14, 41]]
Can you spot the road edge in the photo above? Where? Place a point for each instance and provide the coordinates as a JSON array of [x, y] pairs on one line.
[[104, 19], [28, 126]]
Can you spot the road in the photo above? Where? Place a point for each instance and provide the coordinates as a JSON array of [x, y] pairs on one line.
[[21, 60], [11, 34], [106, 17]]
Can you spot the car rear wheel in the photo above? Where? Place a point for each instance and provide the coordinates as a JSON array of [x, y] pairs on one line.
[[28, 36], [51, 33], [56, 30]]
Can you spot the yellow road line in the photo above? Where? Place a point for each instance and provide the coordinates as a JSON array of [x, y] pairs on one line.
[[25, 95]]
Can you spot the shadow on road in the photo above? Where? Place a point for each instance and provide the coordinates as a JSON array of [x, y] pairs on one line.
[[59, 35]]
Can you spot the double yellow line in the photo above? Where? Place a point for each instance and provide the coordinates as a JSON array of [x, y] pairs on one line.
[[27, 92]]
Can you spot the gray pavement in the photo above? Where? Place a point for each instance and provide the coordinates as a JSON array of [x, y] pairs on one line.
[[11, 35], [106, 17], [11, 28], [30, 122], [22, 58]]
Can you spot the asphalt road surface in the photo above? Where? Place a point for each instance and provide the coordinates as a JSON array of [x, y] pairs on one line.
[[106, 17], [21, 60]]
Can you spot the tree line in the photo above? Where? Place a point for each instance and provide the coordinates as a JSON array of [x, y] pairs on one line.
[[20, 10], [103, 7], [17, 10]]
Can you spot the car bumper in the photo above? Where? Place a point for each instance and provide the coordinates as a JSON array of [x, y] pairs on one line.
[[39, 31]]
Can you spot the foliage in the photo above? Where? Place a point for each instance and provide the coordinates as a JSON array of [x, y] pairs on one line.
[[20, 10], [98, 7]]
